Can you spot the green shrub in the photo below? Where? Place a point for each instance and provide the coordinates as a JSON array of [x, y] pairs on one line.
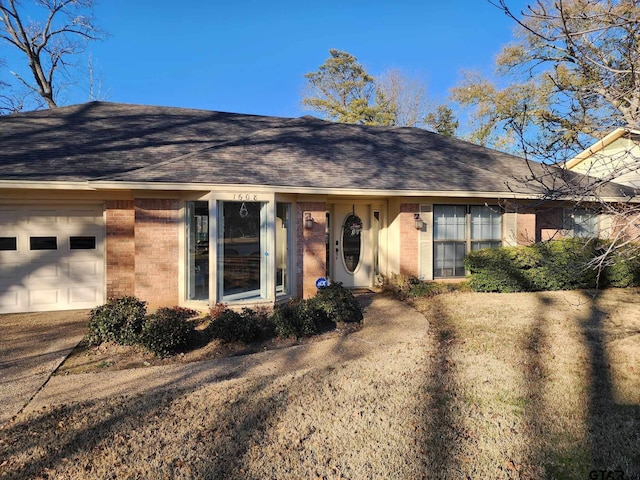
[[296, 318], [499, 269], [168, 331], [564, 265], [555, 265], [419, 289], [120, 320], [246, 327], [622, 266], [337, 303]]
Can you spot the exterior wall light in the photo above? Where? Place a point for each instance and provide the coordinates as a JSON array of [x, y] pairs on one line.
[[418, 220], [308, 221]]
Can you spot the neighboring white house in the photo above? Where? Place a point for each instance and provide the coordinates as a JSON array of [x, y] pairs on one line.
[[615, 157]]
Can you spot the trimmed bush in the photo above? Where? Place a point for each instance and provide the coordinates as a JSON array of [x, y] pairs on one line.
[[168, 331], [623, 269], [554, 265], [246, 327], [120, 320], [496, 270], [296, 318], [337, 303]]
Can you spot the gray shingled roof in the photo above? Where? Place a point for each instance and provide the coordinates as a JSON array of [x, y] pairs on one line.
[[130, 143]]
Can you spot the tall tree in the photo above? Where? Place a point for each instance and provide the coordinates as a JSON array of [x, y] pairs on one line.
[[443, 121], [407, 98], [572, 74], [343, 91], [50, 44]]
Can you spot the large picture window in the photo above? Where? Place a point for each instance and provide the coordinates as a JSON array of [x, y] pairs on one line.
[[242, 267], [458, 229]]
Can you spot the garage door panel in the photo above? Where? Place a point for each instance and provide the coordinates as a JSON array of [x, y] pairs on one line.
[[83, 216], [9, 217], [10, 299], [46, 272], [80, 297], [42, 216], [83, 270], [41, 274], [40, 297]]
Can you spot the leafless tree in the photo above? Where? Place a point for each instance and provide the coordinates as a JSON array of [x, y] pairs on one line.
[[51, 44], [407, 96]]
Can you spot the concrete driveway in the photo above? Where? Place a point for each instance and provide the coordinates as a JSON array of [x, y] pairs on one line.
[[32, 346]]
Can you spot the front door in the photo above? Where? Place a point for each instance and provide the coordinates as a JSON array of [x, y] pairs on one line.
[[351, 245]]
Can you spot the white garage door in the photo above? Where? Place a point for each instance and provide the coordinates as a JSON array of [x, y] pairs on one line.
[[51, 258]]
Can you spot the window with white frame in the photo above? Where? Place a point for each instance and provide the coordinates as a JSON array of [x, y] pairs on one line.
[[582, 222], [458, 229], [486, 227], [449, 240]]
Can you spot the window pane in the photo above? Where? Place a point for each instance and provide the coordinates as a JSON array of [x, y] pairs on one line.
[[585, 223], [485, 244], [449, 259], [242, 247], [351, 242], [197, 236], [8, 243], [449, 222], [283, 240], [486, 223], [82, 243], [43, 243], [375, 230]]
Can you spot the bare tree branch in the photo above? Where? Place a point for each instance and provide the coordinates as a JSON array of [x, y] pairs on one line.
[[49, 45]]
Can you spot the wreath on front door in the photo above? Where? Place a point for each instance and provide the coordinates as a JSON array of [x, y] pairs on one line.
[[355, 225]]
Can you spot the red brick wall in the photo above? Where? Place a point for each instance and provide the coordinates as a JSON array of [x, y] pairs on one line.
[[408, 239], [526, 219], [311, 254], [120, 248], [549, 223], [156, 250]]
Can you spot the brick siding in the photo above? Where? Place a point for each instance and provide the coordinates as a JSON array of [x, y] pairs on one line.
[[311, 254], [120, 248], [408, 239], [156, 250]]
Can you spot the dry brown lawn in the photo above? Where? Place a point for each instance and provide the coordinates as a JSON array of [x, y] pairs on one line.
[[543, 385]]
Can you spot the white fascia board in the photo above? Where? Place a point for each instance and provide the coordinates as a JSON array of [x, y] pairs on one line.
[[600, 145], [45, 185], [304, 190]]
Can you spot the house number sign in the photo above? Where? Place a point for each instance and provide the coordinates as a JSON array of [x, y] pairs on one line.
[[246, 197]]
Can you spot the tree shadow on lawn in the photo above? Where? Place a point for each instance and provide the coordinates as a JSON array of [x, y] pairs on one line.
[[443, 438], [216, 436], [70, 436], [614, 428], [611, 442], [535, 443]]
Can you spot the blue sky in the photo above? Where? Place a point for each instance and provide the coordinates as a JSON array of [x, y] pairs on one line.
[[250, 56]]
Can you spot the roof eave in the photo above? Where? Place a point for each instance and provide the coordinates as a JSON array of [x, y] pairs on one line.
[[600, 145], [45, 185]]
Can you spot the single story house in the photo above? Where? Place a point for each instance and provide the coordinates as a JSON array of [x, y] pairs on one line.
[[191, 207]]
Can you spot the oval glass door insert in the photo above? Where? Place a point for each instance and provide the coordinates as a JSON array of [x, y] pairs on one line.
[[351, 236]]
